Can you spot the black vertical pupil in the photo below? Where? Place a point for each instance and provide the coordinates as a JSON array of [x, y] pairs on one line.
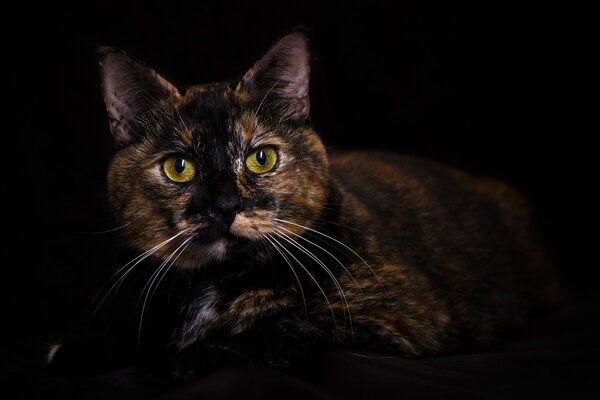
[[261, 157], [179, 165]]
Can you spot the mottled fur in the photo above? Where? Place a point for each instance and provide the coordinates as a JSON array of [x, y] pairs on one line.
[[363, 249]]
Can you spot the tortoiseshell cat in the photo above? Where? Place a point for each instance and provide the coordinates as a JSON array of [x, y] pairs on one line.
[[273, 247]]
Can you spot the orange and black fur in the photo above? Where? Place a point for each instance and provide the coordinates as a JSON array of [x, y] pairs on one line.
[[273, 246]]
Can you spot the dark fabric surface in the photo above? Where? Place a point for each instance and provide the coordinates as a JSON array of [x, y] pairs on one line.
[[556, 356]]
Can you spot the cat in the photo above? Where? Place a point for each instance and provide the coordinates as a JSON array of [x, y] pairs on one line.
[[276, 246]]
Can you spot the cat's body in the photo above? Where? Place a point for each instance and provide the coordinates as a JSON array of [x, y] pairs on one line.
[[282, 247]]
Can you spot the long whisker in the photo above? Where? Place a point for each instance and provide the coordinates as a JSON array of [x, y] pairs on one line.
[[148, 287], [185, 246], [293, 271], [327, 270], [105, 231], [321, 220], [326, 251], [135, 261], [343, 244], [311, 277], [174, 237]]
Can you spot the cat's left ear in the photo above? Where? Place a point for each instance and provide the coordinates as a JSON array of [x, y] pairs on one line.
[[280, 78]]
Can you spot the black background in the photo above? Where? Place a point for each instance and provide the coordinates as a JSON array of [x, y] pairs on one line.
[[504, 89]]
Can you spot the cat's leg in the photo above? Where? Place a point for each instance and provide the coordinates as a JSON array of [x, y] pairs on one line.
[[85, 357], [272, 343], [100, 349]]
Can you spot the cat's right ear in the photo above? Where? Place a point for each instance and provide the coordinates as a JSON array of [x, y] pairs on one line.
[[280, 78], [130, 89]]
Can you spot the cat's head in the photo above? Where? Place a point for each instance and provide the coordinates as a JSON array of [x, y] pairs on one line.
[[204, 175]]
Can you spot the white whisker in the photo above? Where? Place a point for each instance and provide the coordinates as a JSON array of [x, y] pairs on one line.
[[293, 271], [343, 244], [313, 279], [148, 287], [329, 253], [327, 271], [177, 254], [135, 261], [106, 231]]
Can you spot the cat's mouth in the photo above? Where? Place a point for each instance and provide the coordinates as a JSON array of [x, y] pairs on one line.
[[220, 242], [208, 237]]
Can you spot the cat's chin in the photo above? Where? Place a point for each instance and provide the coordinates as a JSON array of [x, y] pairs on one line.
[[199, 254]]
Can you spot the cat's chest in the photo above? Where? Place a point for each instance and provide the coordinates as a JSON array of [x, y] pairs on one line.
[[215, 308], [201, 315]]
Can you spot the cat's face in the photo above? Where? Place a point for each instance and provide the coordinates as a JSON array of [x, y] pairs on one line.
[[207, 175]]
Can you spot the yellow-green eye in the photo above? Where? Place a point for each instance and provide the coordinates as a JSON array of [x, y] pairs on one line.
[[261, 160], [179, 169]]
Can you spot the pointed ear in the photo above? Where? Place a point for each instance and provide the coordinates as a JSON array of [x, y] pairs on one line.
[[130, 89], [280, 78]]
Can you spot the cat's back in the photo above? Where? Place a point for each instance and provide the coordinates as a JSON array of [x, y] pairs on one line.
[[417, 200], [379, 178], [444, 221], [389, 182]]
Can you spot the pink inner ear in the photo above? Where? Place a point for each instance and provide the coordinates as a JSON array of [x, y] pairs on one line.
[[130, 88], [282, 74], [296, 75]]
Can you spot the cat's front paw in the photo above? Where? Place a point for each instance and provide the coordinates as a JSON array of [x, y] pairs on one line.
[[84, 357]]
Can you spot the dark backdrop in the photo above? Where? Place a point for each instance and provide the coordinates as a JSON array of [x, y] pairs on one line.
[[502, 89]]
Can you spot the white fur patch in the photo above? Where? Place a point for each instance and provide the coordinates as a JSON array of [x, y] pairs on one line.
[[198, 255], [218, 249], [52, 352], [202, 315]]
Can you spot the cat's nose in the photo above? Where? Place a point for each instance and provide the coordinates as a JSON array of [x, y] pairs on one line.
[[226, 202], [228, 206]]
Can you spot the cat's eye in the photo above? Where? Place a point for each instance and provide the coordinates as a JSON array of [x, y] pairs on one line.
[[179, 169], [261, 160]]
